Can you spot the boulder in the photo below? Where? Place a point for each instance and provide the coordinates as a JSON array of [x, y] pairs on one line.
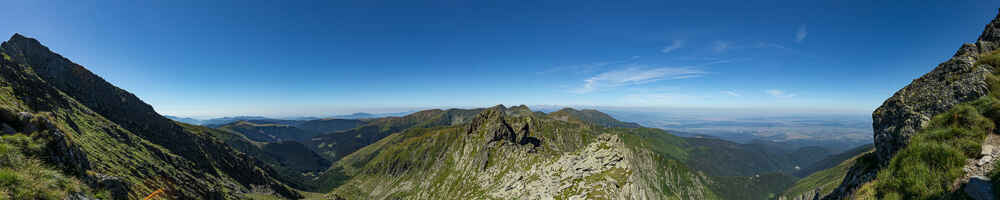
[[979, 188]]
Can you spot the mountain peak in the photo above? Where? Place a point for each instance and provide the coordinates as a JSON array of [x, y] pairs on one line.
[[21, 42]]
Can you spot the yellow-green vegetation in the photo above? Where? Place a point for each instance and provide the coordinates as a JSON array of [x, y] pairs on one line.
[[927, 167], [5, 56], [825, 180], [991, 59], [865, 192], [23, 176], [934, 158]]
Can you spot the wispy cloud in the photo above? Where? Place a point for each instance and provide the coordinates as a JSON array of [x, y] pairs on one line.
[[720, 46], [676, 45], [663, 98], [732, 93], [779, 93], [589, 67], [801, 34], [770, 45], [635, 76]]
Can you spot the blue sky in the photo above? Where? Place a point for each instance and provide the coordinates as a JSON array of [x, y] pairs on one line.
[[278, 58]]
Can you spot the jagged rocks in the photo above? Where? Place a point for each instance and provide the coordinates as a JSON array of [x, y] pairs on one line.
[[119, 189], [599, 168]]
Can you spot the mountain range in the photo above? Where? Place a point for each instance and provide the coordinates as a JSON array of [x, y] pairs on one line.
[[496, 152], [69, 134]]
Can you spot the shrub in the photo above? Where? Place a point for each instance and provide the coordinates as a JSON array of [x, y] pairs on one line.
[[926, 167], [922, 171], [991, 59], [22, 176]]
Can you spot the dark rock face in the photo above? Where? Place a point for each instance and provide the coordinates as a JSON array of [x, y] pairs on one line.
[[979, 188], [119, 189], [910, 109]]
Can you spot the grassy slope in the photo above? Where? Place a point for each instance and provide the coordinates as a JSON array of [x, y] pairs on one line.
[[669, 149], [765, 186], [113, 150], [834, 160], [415, 154], [934, 157], [295, 166], [828, 179], [334, 146]]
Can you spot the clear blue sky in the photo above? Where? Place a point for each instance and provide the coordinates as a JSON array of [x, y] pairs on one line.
[[278, 58]]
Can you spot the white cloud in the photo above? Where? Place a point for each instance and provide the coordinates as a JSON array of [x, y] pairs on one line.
[[720, 46], [635, 76], [732, 93], [676, 45], [779, 93], [801, 34]]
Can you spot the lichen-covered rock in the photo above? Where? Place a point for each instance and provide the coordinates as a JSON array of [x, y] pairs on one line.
[[909, 110]]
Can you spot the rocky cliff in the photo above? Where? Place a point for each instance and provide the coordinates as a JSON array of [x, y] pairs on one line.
[[910, 109], [122, 138]]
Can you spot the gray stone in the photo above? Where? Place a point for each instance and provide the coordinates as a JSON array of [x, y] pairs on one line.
[[909, 110], [979, 188]]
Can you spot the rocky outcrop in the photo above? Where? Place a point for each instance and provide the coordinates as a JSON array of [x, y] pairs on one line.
[[513, 153], [909, 110], [952, 82]]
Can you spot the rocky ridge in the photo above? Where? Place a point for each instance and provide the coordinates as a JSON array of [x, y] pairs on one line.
[[909, 110], [543, 158], [122, 138]]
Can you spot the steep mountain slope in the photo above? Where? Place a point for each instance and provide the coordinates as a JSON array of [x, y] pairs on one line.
[[724, 158], [515, 153], [928, 135], [121, 140], [822, 182], [294, 163], [834, 160]]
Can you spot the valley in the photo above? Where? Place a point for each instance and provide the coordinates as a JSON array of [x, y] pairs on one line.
[[502, 100]]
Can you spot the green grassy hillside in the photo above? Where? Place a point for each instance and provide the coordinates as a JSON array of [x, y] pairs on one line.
[[334, 146], [828, 179], [121, 144], [517, 149]]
